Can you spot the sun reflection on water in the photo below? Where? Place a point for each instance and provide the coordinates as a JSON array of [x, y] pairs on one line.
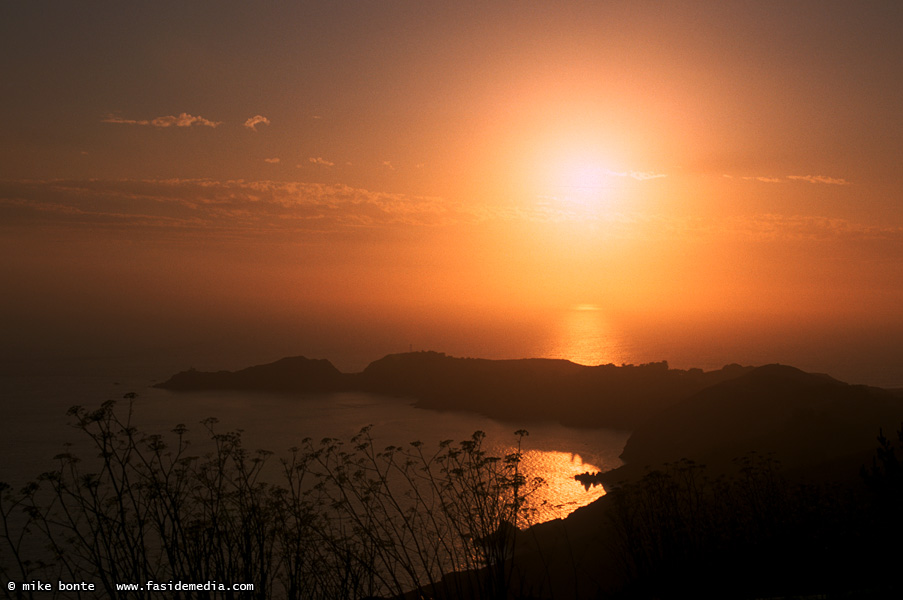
[[562, 494], [587, 337]]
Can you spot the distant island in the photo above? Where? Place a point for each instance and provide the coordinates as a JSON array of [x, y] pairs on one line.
[[523, 390]]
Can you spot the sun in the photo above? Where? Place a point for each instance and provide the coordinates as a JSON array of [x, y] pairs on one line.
[[586, 177], [576, 174], [583, 182]]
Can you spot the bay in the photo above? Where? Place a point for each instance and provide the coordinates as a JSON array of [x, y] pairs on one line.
[[35, 427]]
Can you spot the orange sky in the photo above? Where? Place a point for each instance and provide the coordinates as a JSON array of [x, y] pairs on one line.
[[170, 164]]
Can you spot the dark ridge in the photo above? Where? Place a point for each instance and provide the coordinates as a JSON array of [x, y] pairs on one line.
[[536, 389], [513, 390]]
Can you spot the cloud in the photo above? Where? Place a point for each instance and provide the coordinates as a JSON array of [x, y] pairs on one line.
[[233, 208], [807, 227], [809, 178], [121, 121], [239, 209], [272, 161], [388, 164], [321, 161], [762, 179], [819, 179], [638, 175], [256, 120], [183, 120]]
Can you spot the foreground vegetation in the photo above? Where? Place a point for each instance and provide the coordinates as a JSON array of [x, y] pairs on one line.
[[347, 521], [679, 531], [334, 520]]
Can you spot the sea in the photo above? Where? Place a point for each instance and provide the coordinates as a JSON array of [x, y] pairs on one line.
[[36, 428], [36, 393]]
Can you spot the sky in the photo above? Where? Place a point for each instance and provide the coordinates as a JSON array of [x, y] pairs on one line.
[[367, 177]]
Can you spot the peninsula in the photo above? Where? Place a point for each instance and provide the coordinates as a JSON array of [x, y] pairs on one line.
[[535, 389]]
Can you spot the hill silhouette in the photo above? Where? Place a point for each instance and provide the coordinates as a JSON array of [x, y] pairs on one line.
[[292, 374], [515, 390], [804, 419]]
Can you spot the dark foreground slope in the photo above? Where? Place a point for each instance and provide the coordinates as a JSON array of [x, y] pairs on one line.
[[514, 390], [805, 420], [772, 484]]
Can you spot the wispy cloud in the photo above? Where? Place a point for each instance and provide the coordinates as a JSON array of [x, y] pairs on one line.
[[819, 179], [236, 207], [760, 178], [388, 164], [806, 227], [638, 175], [319, 160], [121, 121], [256, 120], [244, 209], [809, 178], [183, 120], [272, 161]]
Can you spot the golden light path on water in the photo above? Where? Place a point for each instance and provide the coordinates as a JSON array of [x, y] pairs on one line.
[[561, 494], [586, 337]]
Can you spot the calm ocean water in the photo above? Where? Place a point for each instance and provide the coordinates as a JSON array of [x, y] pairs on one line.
[[35, 427], [35, 394]]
